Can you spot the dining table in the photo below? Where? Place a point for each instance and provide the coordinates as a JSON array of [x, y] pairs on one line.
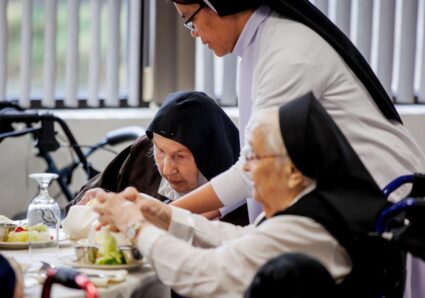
[[141, 281]]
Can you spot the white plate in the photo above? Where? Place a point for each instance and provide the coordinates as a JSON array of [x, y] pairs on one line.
[[22, 245], [134, 265]]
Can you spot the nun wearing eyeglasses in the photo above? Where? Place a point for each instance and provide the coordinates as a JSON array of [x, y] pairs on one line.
[[317, 197], [286, 49]]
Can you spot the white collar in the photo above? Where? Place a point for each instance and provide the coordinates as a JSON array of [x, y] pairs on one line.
[[307, 190], [167, 191]]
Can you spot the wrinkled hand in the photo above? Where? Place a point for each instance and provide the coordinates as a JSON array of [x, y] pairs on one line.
[[119, 210], [156, 212], [90, 195]]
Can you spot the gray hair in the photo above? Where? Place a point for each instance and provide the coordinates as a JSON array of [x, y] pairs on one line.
[[266, 121]]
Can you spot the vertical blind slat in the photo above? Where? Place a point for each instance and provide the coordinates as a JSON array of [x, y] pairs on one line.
[[361, 22], [3, 49], [405, 45], [94, 55], [420, 54], [204, 73], [112, 63], [49, 65], [149, 33], [383, 41], [134, 57], [322, 5], [26, 48], [230, 64], [340, 14], [72, 54]]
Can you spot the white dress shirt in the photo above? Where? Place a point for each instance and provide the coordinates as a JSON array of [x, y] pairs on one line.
[[202, 258], [281, 60]]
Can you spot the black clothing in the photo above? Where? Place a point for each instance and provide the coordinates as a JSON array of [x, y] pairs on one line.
[[7, 278], [196, 121]]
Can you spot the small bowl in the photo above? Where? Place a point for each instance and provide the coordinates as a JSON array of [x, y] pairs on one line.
[[130, 253], [85, 254]]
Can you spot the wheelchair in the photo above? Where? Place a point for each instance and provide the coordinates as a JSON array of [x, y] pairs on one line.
[[400, 225]]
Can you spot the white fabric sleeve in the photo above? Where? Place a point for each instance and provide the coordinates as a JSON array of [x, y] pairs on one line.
[[182, 224], [233, 185], [147, 238], [226, 271], [226, 210], [199, 231]]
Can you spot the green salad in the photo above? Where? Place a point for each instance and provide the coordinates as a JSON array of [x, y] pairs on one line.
[[108, 252]]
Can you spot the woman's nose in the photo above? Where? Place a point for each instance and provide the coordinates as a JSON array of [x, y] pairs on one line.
[[246, 166], [169, 167], [194, 33]]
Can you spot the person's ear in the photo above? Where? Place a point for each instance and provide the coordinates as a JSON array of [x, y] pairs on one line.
[[295, 177]]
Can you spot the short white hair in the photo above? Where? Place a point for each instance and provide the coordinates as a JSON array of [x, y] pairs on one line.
[[266, 121]]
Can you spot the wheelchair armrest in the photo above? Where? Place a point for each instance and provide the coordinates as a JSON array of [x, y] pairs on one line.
[[417, 180]]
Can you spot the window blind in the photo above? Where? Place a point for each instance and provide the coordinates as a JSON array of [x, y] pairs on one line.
[[87, 50], [389, 33]]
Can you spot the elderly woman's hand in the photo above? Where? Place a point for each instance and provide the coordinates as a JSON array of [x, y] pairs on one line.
[[111, 208], [90, 195], [156, 212], [117, 211]]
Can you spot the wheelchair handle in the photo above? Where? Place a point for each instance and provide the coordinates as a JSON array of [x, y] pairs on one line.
[[396, 183]]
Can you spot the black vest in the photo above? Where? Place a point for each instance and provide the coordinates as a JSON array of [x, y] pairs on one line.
[[378, 267]]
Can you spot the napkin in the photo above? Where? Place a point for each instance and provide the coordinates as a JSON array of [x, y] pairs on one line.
[[78, 221], [104, 278]]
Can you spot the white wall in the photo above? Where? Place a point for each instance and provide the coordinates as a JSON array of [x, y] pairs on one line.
[[17, 157]]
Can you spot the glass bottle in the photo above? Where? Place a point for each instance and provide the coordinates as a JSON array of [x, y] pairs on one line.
[[43, 221]]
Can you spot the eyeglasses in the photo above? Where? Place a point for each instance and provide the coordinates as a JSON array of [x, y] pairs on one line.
[[251, 156], [189, 23]]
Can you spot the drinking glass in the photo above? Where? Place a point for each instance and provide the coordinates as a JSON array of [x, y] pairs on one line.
[[43, 221]]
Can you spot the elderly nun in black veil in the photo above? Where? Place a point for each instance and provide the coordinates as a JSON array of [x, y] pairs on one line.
[[318, 199], [189, 141]]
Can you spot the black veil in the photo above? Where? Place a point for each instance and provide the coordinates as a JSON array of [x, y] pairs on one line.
[[193, 119], [319, 150]]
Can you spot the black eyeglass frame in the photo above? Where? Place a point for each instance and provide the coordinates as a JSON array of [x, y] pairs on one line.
[[189, 23]]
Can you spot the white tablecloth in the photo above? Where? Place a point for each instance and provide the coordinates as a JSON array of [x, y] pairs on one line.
[[144, 279]]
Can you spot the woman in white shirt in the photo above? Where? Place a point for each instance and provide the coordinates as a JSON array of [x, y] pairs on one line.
[[316, 195], [288, 48]]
